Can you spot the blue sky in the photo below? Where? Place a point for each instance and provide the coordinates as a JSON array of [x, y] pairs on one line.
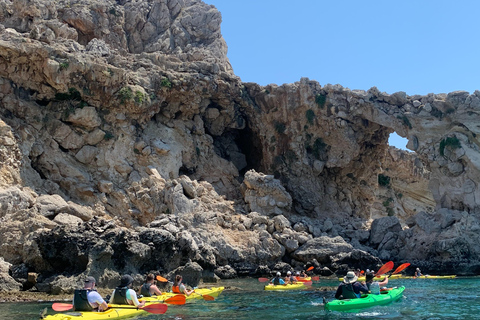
[[419, 47]]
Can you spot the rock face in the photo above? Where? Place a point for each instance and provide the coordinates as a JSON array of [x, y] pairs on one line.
[[128, 145]]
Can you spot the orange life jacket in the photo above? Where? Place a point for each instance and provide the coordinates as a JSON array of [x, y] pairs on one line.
[[176, 289]]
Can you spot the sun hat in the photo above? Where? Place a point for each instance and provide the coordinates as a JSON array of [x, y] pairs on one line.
[[350, 277], [90, 280], [126, 280]]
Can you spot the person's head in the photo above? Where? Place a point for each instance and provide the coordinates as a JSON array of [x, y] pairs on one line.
[[279, 274], [150, 278], [369, 276], [418, 269], [126, 281], [298, 273], [178, 279], [89, 283], [289, 273], [350, 277]]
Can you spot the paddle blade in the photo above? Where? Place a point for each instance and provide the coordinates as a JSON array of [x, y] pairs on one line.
[[311, 268], [156, 308], [207, 297], [385, 268], [307, 283], [316, 278], [263, 279], [62, 306], [161, 279], [178, 299], [401, 268]]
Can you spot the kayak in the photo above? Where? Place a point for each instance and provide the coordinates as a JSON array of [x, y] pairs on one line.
[[304, 279], [366, 301], [198, 294], [114, 312], [281, 287], [431, 277], [379, 278]]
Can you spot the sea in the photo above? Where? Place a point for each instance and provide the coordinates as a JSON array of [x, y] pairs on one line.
[[246, 299]]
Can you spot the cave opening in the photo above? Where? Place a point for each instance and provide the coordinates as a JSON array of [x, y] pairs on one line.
[[398, 142]]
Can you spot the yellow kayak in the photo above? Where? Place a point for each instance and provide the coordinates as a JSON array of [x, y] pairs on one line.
[[290, 286], [113, 312], [203, 293]]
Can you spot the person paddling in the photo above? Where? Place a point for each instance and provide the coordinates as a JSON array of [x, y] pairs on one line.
[[374, 286], [290, 278], [277, 280], [88, 299], [124, 294], [149, 288], [179, 287], [350, 288]]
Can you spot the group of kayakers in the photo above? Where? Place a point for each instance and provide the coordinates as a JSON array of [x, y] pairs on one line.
[[88, 299], [290, 278]]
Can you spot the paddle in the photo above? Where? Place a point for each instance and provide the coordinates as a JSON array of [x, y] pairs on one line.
[[401, 268], [263, 279], [311, 268], [178, 299], [155, 308], [385, 268], [316, 278], [161, 279], [205, 297], [307, 283]]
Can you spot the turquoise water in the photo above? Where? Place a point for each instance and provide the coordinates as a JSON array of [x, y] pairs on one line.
[[245, 299]]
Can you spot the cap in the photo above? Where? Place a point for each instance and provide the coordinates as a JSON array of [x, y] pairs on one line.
[[126, 280], [278, 274], [90, 280]]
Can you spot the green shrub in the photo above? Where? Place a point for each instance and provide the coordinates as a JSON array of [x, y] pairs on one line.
[[310, 116], [125, 94], [383, 180], [321, 99], [139, 97], [451, 142], [64, 65], [390, 212], [165, 82]]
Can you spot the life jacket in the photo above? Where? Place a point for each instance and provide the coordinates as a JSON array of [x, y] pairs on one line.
[[145, 290], [293, 279], [276, 281], [80, 300], [120, 296], [348, 292], [176, 289]]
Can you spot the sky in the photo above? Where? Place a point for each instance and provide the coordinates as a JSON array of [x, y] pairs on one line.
[[415, 46]]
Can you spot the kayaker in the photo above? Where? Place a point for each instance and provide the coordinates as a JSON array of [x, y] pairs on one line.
[[124, 294], [277, 280], [350, 288], [418, 273], [88, 299], [290, 278], [179, 287], [374, 286], [149, 288]]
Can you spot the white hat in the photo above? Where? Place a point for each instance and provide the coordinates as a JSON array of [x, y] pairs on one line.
[[298, 273], [278, 274], [289, 273], [350, 277]]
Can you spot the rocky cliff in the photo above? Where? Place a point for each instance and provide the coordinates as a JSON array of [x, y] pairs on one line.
[[128, 145]]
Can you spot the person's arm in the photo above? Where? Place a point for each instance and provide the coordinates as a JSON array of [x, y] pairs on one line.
[[132, 295], [338, 294], [155, 290], [111, 297], [97, 299], [384, 282], [282, 282]]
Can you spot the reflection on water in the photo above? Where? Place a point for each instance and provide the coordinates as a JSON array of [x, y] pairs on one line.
[[246, 299]]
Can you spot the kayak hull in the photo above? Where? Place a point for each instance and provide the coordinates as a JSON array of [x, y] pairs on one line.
[[197, 295], [367, 301], [112, 313], [283, 287]]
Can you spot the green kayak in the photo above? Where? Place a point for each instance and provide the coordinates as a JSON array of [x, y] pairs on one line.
[[366, 301]]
